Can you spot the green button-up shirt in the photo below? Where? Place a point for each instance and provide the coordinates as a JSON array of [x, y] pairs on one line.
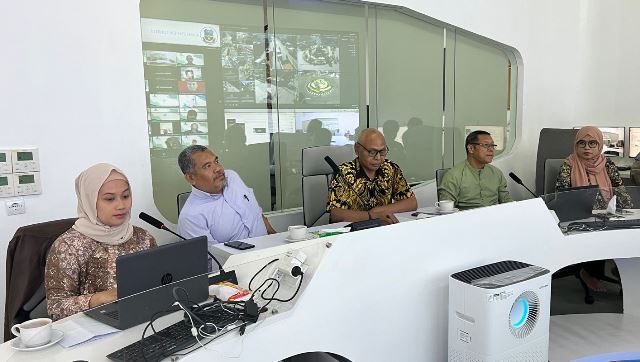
[[470, 188]]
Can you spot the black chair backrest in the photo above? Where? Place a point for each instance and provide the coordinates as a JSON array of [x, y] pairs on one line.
[[26, 259], [552, 143]]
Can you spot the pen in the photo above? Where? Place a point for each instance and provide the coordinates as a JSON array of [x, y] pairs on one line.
[[246, 197]]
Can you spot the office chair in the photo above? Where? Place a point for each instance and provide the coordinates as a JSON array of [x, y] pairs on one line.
[[552, 143], [26, 259], [181, 199], [574, 270], [551, 171], [316, 175], [439, 175]]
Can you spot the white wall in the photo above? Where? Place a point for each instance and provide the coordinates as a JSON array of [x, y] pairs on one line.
[[73, 84], [580, 63]]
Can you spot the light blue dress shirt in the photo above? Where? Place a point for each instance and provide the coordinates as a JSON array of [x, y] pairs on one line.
[[232, 215]]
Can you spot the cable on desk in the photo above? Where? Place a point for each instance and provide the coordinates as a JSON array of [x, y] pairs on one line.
[[223, 313], [260, 271], [296, 271], [209, 341], [153, 318]]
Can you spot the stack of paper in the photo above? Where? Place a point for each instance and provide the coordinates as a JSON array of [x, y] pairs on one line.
[[83, 329]]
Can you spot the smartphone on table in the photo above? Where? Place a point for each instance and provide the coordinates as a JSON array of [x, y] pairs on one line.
[[239, 245]]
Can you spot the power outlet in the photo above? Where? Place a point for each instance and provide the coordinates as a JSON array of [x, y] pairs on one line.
[[278, 274], [15, 207]]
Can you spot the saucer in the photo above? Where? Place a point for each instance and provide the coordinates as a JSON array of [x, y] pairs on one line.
[[308, 237], [442, 212], [56, 336]]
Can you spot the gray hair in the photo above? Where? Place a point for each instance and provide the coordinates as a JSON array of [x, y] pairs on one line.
[[185, 161]]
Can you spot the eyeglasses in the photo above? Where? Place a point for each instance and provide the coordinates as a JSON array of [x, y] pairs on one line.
[[487, 146], [591, 143], [373, 153]]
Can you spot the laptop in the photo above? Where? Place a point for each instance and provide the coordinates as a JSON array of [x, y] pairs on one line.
[[146, 281], [575, 203]]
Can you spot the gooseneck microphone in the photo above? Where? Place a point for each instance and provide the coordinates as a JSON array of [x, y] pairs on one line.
[[519, 181], [158, 224], [336, 170]]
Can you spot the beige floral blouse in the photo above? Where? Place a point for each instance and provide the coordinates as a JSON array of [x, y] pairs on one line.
[[78, 266]]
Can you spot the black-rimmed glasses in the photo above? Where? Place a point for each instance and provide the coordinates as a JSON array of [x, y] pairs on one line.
[[373, 153], [590, 143], [487, 146]]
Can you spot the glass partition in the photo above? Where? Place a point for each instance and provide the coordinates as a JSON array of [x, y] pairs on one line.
[[482, 93], [320, 94], [258, 80], [407, 101], [204, 70]]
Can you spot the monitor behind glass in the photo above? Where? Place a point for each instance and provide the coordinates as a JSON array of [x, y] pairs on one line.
[[147, 269], [634, 141]]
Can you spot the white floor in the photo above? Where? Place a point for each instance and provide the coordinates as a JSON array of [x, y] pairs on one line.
[[575, 336]]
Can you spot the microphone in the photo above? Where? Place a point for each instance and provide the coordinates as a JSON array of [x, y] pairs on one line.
[[357, 225], [336, 170], [519, 181], [333, 165], [157, 223]]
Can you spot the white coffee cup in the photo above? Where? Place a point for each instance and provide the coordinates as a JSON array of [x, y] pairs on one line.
[[33, 333], [297, 232], [444, 205]]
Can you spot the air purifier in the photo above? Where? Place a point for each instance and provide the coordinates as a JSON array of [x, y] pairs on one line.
[[499, 313]]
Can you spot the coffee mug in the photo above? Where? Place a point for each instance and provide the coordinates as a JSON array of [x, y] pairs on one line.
[[297, 232], [33, 333], [444, 205]]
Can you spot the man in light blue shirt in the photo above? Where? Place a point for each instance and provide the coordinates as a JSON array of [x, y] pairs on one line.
[[220, 206]]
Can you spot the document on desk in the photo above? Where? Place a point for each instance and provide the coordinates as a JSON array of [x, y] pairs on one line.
[[83, 329]]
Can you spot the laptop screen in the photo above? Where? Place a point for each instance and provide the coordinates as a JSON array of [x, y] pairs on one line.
[[151, 268], [574, 203]]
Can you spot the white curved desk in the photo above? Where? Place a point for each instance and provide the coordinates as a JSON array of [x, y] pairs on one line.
[[381, 294]]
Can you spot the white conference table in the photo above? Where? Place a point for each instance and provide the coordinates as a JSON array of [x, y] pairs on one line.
[[223, 252], [353, 279]]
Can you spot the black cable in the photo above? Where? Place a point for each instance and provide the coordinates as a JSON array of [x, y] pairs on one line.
[[294, 294], [260, 271], [153, 318], [217, 310], [234, 313], [211, 339], [268, 287], [263, 283], [270, 299]]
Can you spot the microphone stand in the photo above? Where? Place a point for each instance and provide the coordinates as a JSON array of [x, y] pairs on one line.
[[222, 276]]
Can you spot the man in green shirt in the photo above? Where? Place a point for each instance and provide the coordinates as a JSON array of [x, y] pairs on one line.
[[474, 182]]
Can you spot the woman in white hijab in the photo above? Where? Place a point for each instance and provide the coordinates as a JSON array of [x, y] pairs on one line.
[[80, 271]]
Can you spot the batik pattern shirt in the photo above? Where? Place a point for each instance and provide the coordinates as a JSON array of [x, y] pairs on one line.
[[387, 186], [623, 199], [78, 267]]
